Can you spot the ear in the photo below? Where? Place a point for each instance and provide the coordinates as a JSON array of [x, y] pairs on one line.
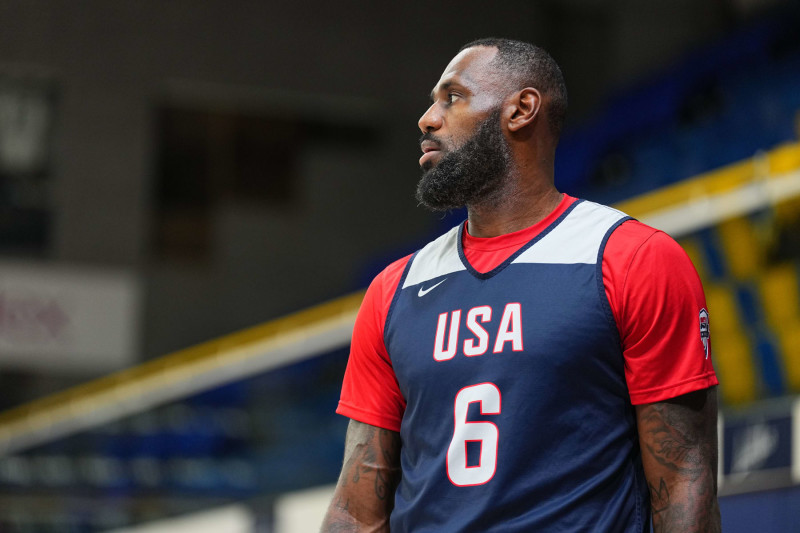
[[525, 107]]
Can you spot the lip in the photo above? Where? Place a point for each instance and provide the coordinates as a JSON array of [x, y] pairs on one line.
[[429, 150], [429, 146], [428, 155]]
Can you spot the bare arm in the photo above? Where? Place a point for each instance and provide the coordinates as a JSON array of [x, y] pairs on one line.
[[679, 452], [364, 495]]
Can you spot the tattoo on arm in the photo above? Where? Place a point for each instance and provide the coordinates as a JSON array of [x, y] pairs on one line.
[[679, 453], [659, 497], [364, 495]]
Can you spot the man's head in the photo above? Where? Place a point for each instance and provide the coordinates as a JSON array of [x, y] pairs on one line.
[[526, 65], [497, 101]]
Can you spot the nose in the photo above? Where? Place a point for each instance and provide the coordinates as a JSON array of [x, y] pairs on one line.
[[431, 120]]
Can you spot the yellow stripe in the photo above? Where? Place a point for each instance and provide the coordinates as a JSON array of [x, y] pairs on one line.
[[730, 352], [789, 339], [742, 247], [780, 160], [694, 251], [182, 359]]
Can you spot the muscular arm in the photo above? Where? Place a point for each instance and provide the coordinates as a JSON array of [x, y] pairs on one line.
[[678, 438], [364, 495]]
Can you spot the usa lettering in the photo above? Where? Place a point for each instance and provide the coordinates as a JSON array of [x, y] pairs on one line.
[[478, 340]]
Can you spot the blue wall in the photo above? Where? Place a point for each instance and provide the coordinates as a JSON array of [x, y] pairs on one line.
[[774, 511]]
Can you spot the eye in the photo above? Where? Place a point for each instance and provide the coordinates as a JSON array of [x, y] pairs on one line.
[[451, 97]]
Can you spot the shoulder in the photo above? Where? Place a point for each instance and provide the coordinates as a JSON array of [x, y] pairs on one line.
[[439, 253], [632, 241], [589, 221], [437, 258], [632, 232], [642, 265], [393, 272], [381, 290], [371, 319], [627, 239]]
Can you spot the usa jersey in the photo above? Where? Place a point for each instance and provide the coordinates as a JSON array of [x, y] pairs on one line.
[[512, 394]]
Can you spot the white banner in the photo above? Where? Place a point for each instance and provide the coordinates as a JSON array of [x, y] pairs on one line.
[[231, 519], [67, 319], [302, 511]]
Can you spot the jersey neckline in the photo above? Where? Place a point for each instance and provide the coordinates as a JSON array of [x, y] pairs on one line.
[[516, 238], [510, 239]]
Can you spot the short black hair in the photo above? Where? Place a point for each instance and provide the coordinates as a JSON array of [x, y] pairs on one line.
[[531, 66]]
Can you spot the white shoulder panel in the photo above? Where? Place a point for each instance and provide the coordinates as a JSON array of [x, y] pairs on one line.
[[438, 258], [576, 239]]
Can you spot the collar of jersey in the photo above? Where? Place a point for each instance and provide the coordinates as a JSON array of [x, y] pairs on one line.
[[517, 238], [526, 237]]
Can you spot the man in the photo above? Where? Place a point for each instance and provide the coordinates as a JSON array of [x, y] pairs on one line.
[[542, 367]]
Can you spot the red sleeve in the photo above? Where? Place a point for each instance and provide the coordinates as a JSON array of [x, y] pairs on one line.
[[370, 392], [658, 303]]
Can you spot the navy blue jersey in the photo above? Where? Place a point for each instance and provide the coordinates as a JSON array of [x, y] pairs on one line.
[[517, 414]]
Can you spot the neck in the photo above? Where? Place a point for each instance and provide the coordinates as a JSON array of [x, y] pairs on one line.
[[521, 204]]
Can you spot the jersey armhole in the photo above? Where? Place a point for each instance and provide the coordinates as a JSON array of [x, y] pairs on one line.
[[395, 295], [601, 288], [368, 417]]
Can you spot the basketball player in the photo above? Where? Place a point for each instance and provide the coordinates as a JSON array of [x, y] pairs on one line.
[[543, 366]]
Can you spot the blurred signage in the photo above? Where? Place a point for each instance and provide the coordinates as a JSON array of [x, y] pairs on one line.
[[66, 319], [757, 452], [26, 117], [28, 101], [756, 445]]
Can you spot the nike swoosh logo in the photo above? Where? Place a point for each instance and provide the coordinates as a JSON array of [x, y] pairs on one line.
[[422, 292]]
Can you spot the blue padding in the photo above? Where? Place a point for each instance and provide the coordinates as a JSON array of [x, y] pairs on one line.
[[775, 511], [772, 370], [653, 106], [717, 267], [765, 350], [748, 305]]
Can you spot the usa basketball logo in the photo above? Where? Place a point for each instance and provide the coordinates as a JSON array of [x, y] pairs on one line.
[[705, 333]]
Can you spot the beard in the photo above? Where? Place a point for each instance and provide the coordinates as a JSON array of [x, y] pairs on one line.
[[471, 174]]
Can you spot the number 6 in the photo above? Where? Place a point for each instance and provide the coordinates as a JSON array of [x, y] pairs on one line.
[[485, 433]]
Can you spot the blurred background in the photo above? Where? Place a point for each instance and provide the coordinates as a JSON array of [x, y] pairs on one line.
[[194, 194]]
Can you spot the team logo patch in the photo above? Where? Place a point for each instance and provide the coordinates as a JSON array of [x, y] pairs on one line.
[[705, 333]]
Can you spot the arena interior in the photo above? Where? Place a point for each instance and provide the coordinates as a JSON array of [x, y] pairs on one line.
[[194, 195]]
